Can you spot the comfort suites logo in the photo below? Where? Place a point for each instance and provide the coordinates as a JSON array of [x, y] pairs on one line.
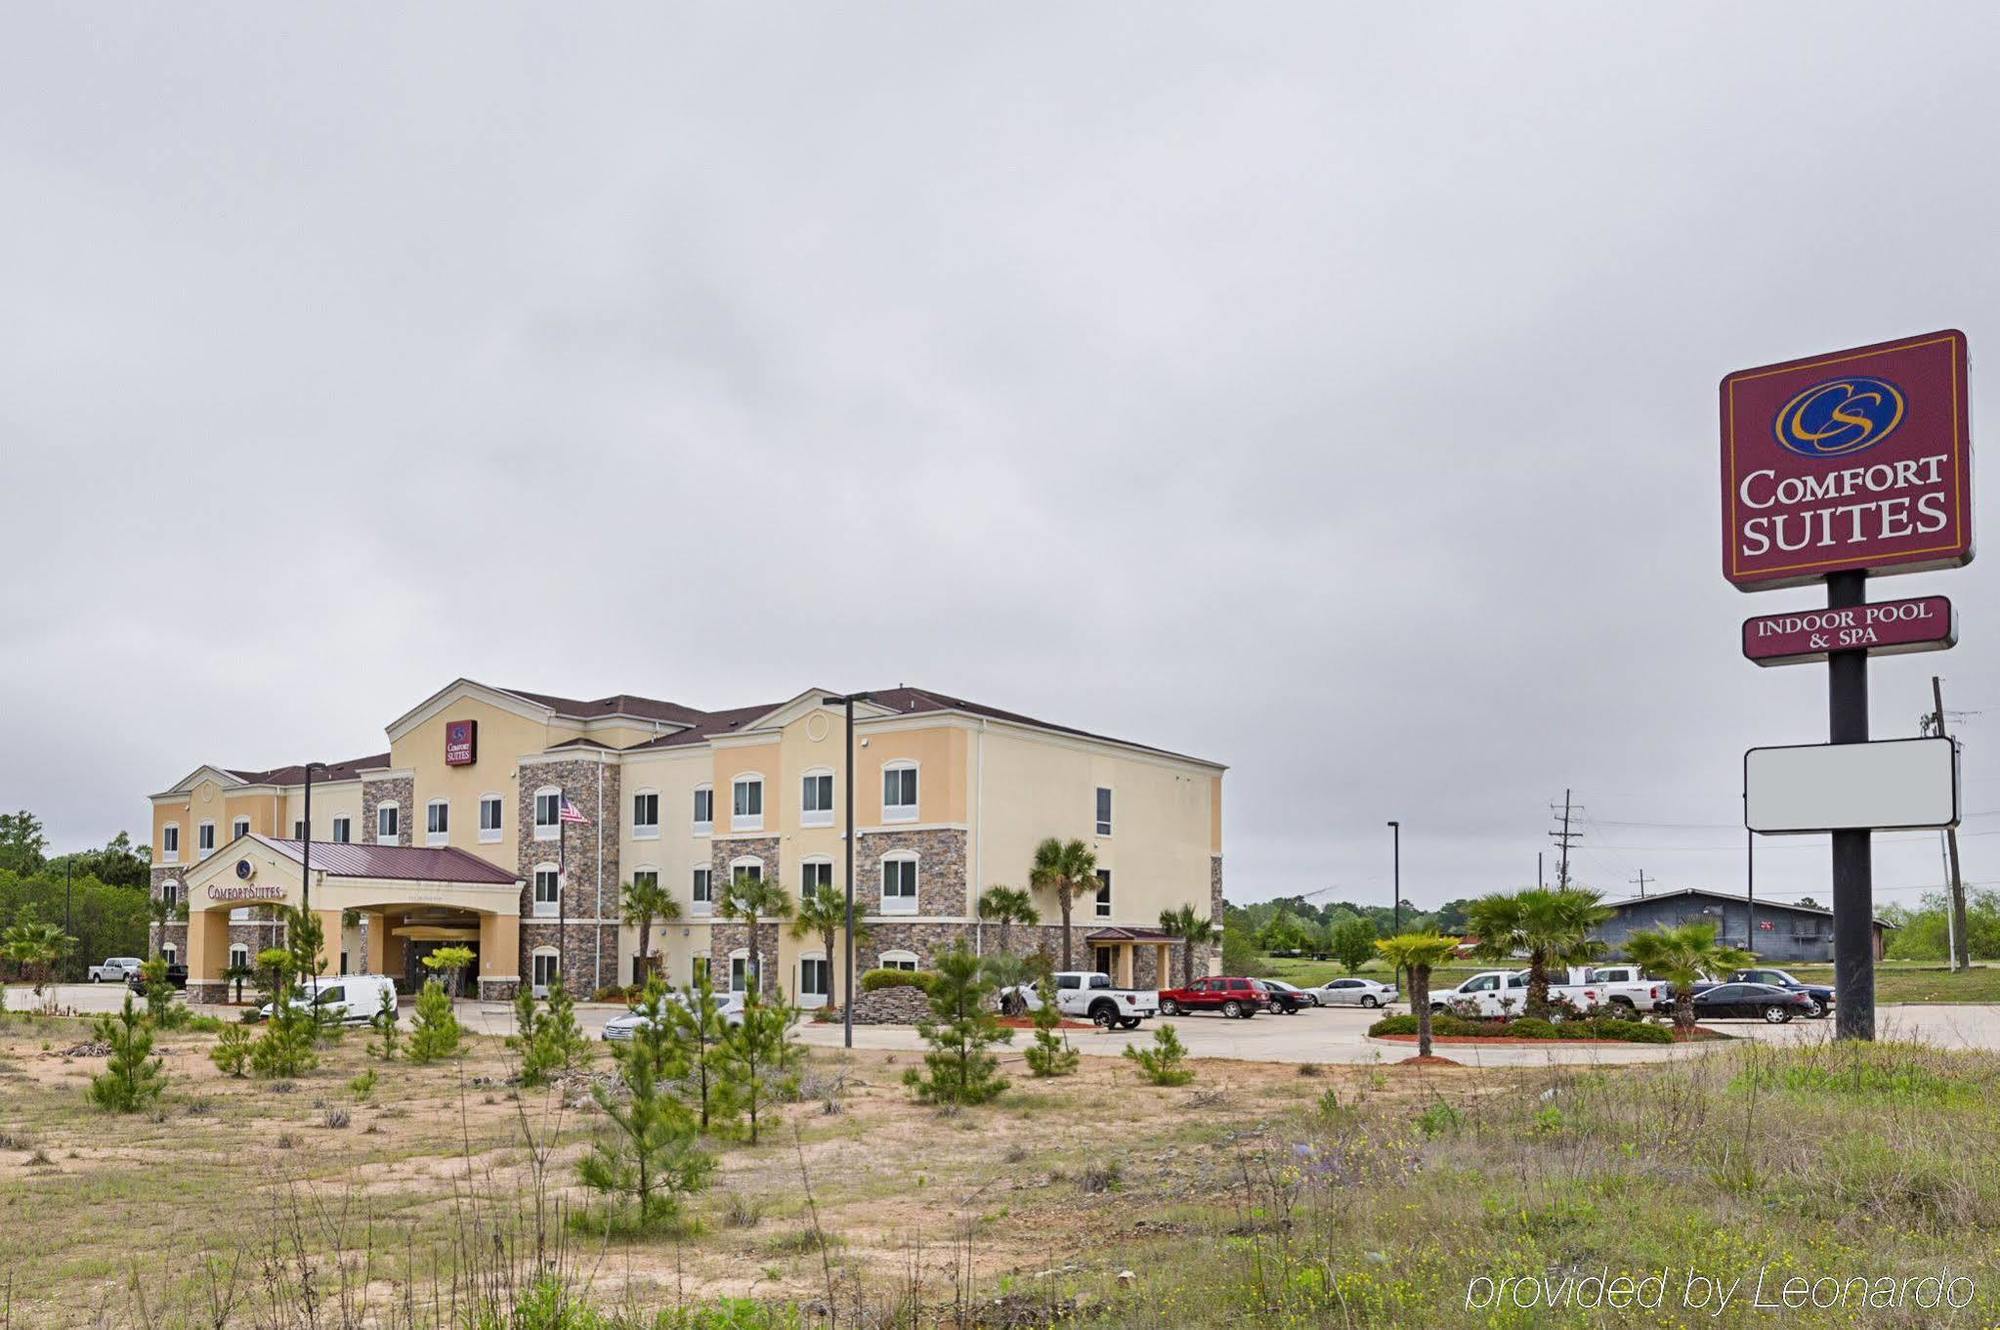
[[1840, 417], [461, 743]]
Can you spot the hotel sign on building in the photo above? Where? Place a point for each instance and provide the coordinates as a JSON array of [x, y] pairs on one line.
[[1855, 460], [461, 743]]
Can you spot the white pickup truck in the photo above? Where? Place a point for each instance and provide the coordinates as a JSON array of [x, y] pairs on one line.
[[115, 970], [1505, 993], [1086, 994], [1624, 986]]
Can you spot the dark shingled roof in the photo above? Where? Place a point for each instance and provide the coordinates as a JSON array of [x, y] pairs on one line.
[[622, 704], [296, 775], [710, 725], [411, 863]]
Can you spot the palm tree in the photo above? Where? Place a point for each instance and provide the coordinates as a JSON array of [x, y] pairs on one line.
[[36, 948], [754, 899], [1005, 906], [1065, 868], [1417, 953], [640, 903], [1194, 929], [1552, 925], [824, 913], [1682, 955]]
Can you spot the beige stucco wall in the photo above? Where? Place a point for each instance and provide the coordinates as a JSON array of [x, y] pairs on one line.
[[331, 799], [504, 738]]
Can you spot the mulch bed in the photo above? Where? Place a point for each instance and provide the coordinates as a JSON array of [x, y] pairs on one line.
[[1028, 1023], [1699, 1034], [1435, 1061]]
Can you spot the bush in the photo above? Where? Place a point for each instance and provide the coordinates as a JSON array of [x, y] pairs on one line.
[[1532, 1027], [626, 993], [1528, 1027], [437, 1033], [1050, 1055], [958, 1070], [874, 979], [132, 1078], [232, 1051], [549, 1040], [1400, 1025], [1161, 1064]]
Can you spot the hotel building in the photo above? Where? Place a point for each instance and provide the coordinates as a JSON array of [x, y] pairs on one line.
[[458, 834]]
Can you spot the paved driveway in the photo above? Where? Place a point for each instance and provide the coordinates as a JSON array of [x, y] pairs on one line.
[[1329, 1035]]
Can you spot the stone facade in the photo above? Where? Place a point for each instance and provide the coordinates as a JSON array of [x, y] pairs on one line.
[[1215, 905], [590, 871], [941, 876], [904, 1004], [399, 790], [725, 937]]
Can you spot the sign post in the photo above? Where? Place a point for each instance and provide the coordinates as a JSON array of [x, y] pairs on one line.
[[1835, 467]]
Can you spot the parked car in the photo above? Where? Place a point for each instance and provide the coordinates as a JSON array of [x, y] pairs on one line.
[[1821, 994], [1751, 1002], [177, 977], [1625, 986], [349, 999], [115, 970], [1505, 993], [1300, 997], [1232, 995], [621, 1028], [1085, 994], [1355, 993]]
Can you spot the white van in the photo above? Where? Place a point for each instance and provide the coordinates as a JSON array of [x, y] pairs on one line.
[[351, 999]]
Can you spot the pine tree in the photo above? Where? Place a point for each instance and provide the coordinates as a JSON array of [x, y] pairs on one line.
[[231, 1051], [962, 1024], [697, 1025], [384, 1023], [549, 1041], [651, 1153], [437, 1033], [132, 1078], [1050, 1055], [1161, 1064], [288, 1046], [757, 1057]]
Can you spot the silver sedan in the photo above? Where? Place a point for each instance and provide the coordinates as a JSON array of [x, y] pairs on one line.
[[1352, 992], [620, 1028]]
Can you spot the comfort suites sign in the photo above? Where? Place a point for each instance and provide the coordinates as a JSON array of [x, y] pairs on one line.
[[1856, 460], [461, 743]]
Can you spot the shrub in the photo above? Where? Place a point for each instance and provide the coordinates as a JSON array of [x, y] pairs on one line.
[[362, 1086], [549, 1040], [626, 993], [1162, 1063], [132, 1078], [874, 979], [1406, 1024], [757, 1057], [232, 1050], [1050, 1054], [287, 1048], [437, 1033], [650, 1155], [958, 1069], [1531, 1027], [1439, 1119]]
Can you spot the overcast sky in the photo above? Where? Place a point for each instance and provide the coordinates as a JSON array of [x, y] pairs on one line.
[[1328, 390]]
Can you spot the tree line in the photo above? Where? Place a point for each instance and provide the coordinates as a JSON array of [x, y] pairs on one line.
[[99, 898]]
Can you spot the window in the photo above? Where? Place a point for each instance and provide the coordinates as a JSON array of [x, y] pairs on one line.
[[747, 866], [814, 874], [814, 977], [704, 809], [646, 815], [239, 956], [388, 824], [697, 969], [816, 800], [739, 971], [548, 813], [1103, 811], [298, 829], [896, 960], [704, 891], [489, 819], [546, 964], [437, 823], [170, 953], [1103, 893], [548, 890], [204, 839], [899, 884], [899, 792], [240, 827], [170, 892], [241, 914], [746, 813], [170, 843], [343, 830]]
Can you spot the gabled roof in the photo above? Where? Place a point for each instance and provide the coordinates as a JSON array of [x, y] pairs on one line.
[[1120, 933], [350, 769], [618, 704], [712, 725], [918, 700], [406, 863], [1734, 898]]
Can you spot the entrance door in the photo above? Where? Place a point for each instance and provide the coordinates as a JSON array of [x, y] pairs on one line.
[[1106, 959]]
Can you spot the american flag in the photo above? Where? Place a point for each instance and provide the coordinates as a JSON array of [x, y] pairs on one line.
[[570, 813]]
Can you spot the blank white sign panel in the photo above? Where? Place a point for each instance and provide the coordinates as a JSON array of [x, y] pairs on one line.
[[1893, 784]]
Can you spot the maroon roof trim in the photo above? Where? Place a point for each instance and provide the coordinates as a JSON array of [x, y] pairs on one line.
[[412, 863]]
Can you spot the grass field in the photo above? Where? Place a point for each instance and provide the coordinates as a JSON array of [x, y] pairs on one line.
[[1895, 981], [1258, 1195]]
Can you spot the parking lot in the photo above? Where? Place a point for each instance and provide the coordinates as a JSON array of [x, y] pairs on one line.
[[1328, 1035]]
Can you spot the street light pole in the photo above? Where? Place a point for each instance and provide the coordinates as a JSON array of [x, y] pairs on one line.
[[846, 703], [1396, 833]]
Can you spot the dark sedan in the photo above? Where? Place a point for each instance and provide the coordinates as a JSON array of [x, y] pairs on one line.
[[1821, 995], [1751, 1002], [1281, 998]]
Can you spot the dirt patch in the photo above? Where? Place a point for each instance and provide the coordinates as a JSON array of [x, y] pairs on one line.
[[1028, 1023]]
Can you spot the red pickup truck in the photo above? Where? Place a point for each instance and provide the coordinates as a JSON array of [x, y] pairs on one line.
[[1229, 995]]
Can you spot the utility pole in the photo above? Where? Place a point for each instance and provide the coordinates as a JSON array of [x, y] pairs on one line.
[[1564, 839], [1538, 870], [1396, 889], [1641, 879], [1961, 949]]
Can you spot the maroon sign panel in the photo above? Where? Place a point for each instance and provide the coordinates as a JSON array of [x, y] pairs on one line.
[[1856, 460], [1890, 628], [461, 743]]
